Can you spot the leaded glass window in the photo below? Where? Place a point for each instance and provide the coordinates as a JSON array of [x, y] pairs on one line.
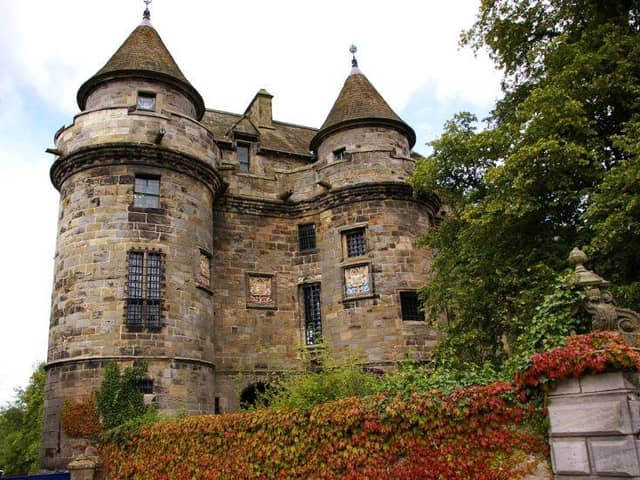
[[144, 290], [312, 314], [355, 243], [243, 153], [146, 101], [146, 192], [307, 237]]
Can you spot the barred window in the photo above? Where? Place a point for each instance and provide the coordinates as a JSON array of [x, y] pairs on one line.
[[339, 154], [312, 315], [410, 306], [146, 386], [307, 237], [146, 192], [144, 290], [355, 243]]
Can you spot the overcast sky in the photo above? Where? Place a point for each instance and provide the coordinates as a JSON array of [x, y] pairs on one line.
[[297, 50]]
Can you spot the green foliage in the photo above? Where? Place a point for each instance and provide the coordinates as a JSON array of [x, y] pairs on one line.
[[334, 380], [125, 431], [120, 398], [555, 166], [557, 317], [21, 427], [411, 378]]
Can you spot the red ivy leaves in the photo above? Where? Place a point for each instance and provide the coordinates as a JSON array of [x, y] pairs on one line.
[[470, 434], [81, 419], [589, 354]]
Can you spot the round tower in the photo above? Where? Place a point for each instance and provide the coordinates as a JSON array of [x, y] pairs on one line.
[[137, 178], [369, 296]]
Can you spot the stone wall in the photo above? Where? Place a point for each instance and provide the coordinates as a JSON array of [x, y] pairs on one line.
[[252, 340], [125, 94], [595, 422], [98, 226]]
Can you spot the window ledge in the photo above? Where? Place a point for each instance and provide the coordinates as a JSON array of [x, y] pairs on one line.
[[360, 297], [257, 306], [133, 208], [311, 251], [354, 261], [204, 288]]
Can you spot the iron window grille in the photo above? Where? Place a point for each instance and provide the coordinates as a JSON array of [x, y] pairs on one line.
[[307, 237], [146, 386], [339, 154], [146, 192], [146, 101], [312, 314], [355, 242], [243, 153], [410, 306], [144, 290]]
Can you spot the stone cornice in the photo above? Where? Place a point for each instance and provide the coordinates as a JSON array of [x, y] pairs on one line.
[[124, 358], [331, 199], [134, 154]]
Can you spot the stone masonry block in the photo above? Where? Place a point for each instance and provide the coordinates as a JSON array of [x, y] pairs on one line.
[[605, 381], [570, 456], [566, 387], [615, 456], [596, 418]]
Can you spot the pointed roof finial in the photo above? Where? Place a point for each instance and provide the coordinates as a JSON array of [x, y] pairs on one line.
[[147, 14], [353, 49]]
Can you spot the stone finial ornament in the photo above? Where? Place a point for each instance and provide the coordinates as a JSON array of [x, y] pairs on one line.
[[353, 49], [599, 303], [146, 15]]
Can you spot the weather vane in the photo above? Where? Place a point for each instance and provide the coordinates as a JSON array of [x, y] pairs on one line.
[[353, 49], [147, 14]]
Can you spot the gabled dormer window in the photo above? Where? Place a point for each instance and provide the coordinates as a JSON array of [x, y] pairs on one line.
[[243, 152], [146, 101]]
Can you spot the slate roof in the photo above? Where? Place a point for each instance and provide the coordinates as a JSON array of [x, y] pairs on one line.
[[283, 137], [360, 103], [143, 55]]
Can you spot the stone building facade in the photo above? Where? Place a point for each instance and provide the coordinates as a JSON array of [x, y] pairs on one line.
[[219, 246]]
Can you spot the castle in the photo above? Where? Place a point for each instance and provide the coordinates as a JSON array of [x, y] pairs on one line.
[[217, 246]]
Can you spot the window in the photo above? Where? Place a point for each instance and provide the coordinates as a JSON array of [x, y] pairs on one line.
[[307, 237], [339, 154], [312, 316], [144, 285], [409, 306], [242, 151], [146, 386], [146, 192], [355, 243], [146, 101]]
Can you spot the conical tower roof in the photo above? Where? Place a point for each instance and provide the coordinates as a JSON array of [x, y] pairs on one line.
[[360, 104], [143, 55]]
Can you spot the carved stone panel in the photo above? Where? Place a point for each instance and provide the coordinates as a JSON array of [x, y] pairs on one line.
[[204, 270], [260, 290], [357, 281]]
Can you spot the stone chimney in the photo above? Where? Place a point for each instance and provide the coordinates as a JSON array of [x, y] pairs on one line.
[[259, 110]]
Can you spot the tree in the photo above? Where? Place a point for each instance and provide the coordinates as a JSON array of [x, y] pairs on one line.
[[553, 168], [21, 427]]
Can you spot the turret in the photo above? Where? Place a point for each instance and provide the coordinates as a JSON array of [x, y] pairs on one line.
[[362, 127], [137, 178]]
